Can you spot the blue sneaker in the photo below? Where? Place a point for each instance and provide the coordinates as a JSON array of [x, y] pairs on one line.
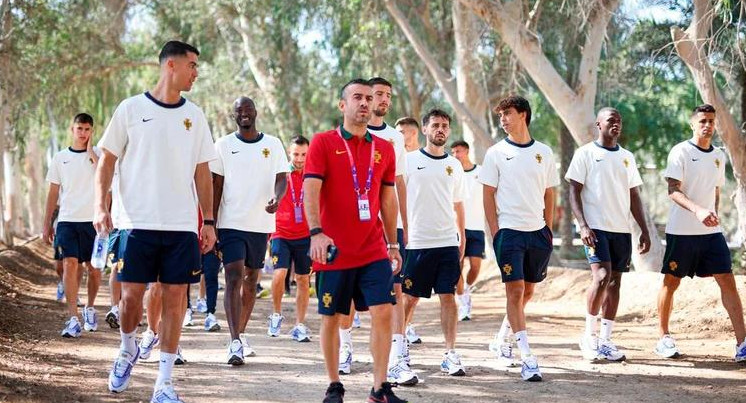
[[741, 352], [300, 333], [119, 377], [165, 394], [275, 322], [72, 328], [147, 344], [60, 291], [356, 321]]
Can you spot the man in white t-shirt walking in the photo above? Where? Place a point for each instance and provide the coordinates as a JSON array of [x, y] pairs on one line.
[[605, 182], [250, 179], [163, 145], [694, 239], [436, 238], [474, 212], [519, 176]]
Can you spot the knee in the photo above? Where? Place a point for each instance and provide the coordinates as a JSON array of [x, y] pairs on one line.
[[302, 280], [528, 294], [515, 292], [251, 276], [601, 278], [233, 276], [671, 283]]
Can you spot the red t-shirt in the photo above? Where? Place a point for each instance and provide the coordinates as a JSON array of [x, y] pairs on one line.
[[287, 228], [358, 242]]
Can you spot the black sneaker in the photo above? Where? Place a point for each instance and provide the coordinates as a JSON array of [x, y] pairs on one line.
[[384, 395], [334, 393]]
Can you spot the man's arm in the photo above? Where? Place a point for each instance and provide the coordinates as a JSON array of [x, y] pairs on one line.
[[281, 186], [52, 198], [587, 236], [639, 215], [705, 216], [389, 210], [217, 193], [319, 242], [401, 193], [549, 202], [717, 200], [102, 183], [89, 149], [203, 183], [458, 207], [490, 208]]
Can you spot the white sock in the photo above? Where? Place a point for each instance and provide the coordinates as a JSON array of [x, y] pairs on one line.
[[521, 338], [129, 344], [590, 324], [345, 337], [505, 329], [396, 348], [115, 308], [164, 368], [606, 327]]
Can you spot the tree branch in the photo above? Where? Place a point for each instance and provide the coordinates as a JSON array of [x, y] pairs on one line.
[[591, 54]]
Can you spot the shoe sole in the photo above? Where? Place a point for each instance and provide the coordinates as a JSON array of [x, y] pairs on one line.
[[534, 378], [418, 341], [112, 321], [343, 372], [674, 355], [214, 328], [622, 358], [180, 362], [410, 382], [460, 372], [235, 361], [306, 340], [70, 336]]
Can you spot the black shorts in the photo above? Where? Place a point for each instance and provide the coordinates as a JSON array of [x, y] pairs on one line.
[[367, 285], [428, 270], [703, 255], [249, 247], [169, 257], [612, 247], [287, 251], [75, 240], [523, 255], [474, 244]]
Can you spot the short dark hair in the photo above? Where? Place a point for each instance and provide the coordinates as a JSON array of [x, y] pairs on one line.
[[435, 112], [380, 81], [408, 121], [518, 102], [175, 48], [460, 143], [83, 118], [704, 108], [354, 81], [300, 140]]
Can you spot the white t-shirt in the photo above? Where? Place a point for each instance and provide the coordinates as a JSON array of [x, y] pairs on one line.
[[74, 172], [473, 203], [433, 185], [521, 173], [607, 175], [249, 169], [396, 139], [163, 144], [700, 172], [115, 206]]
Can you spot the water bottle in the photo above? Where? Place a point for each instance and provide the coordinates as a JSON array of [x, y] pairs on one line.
[[394, 265], [98, 257]]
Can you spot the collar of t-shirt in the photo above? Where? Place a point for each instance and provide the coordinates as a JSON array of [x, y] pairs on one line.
[[72, 150], [513, 143], [377, 128], [347, 135], [700, 148], [258, 138], [615, 148]]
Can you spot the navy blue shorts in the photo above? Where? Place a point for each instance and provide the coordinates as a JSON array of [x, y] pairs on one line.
[[112, 249], [703, 255], [367, 285], [249, 247], [75, 239], [428, 270], [169, 257], [612, 247], [56, 247], [474, 244], [523, 255], [285, 251]]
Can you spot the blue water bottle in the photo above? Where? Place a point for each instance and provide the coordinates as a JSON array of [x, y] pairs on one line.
[[98, 257]]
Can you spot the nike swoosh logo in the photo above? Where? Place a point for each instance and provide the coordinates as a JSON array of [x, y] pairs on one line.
[[65, 162], [421, 168], [146, 120], [235, 152], [599, 160], [695, 159], [509, 158], [196, 272], [339, 152]]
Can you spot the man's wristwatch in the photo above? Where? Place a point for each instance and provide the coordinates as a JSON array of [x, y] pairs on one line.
[[315, 231], [208, 222], [392, 246]]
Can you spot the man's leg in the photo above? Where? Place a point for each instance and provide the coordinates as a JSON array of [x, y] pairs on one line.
[[130, 311], [248, 296], [94, 282], [329, 341], [211, 269], [611, 302], [232, 296], [475, 265], [173, 301], [59, 269], [515, 303], [732, 304], [448, 319], [155, 306], [71, 278], [278, 289], [301, 298], [595, 297], [380, 341], [202, 288], [665, 302], [410, 303], [115, 289]]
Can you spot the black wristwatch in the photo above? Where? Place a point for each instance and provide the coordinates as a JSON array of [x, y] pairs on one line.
[[315, 231], [208, 222]]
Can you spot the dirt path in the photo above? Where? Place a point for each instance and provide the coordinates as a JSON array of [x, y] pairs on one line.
[[38, 366]]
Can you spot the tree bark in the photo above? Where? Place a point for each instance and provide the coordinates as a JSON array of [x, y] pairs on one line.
[[33, 168], [565, 223]]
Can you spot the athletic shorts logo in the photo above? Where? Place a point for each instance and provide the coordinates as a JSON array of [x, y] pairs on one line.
[[408, 284], [538, 158], [673, 266], [327, 300], [196, 272], [220, 255], [340, 152], [187, 124], [507, 269], [717, 162], [120, 266], [626, 163], [275, 259], [449, 170], [265, 152], [393, 293], [377, 157], [592, 251]]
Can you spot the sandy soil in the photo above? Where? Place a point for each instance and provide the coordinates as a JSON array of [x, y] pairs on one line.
[[36, 365]]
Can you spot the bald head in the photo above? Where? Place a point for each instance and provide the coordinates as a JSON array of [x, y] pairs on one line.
[[242, 100], [605, 111], [609, 124]]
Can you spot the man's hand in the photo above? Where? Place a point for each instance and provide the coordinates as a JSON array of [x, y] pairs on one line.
[[207, 238], [589, 237], [102, 222], [272, 206], [396, 260], [644, 245], [48, 234], [319, 244], [707, 217]]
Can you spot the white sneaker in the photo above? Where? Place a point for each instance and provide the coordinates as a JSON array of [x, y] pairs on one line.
[[211, 323], [72, 328], [300, 333], [589, 347], [463, 313], [666, 347], [741, 352], [345, 359], [90, 319], [274, 323], [147, 344], [119, 376], [235, 352], [165, 394], [356, 321], [451, 364], [401, 374], [112, 317], [530, 369], [505, 356], [412, 336], [188, 320], [180, 360], [60, 291], [608, 351], [247, 350], [201, 305]]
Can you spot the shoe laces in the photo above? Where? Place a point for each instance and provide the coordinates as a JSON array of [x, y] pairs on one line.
[[121, 364], [531, 362], [668, 341], [235, 346], [506, 350], [167, 389], [607, 344], [453, 357]]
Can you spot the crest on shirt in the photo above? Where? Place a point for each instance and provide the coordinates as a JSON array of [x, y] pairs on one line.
[[408, 283], [187, 124], [265, 152], [538, 158], [377, 157], [327, 300], [717, 162], [672, 265], [449, 170], [626, 163], [508, 268]]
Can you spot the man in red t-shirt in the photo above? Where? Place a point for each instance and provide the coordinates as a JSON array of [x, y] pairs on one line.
[[349, 180], [290, 244]]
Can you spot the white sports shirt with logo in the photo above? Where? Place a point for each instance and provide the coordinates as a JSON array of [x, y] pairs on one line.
[[74, 172], [700, 172], [249, 169], [607, 175], [434, 184], [163, 144], [396, 139], [521, 173]]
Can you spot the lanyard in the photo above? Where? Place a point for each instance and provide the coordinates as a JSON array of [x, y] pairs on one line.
[[298, 202], [354, 168]]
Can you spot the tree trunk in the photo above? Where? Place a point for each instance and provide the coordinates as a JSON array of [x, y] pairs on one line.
[[33, 168], [565, 223]]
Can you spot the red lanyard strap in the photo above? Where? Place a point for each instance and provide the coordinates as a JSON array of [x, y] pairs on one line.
[[369, 180]]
